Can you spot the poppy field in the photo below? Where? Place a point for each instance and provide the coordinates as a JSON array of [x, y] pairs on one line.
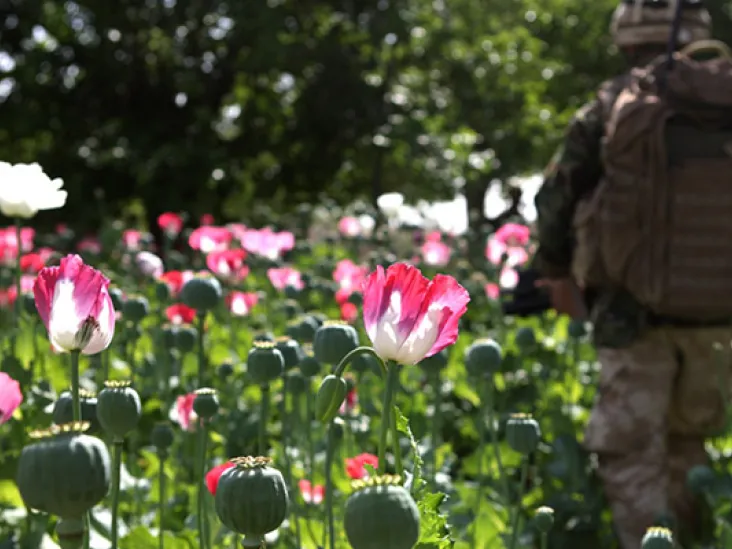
[[333, 380]]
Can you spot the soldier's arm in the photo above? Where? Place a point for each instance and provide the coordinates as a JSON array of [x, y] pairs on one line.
[[574, 171]]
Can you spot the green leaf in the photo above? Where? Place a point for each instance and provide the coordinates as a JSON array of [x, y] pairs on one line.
[[142, 538]]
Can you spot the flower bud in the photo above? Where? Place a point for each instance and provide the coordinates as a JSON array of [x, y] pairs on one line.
[[525, 339], [162, 437], [265, 363], [162, 291], [544, 519], [483, 357], [433, 365], [658, 538], [291, 351], [186, 337], [135, 308], [331, 394], [202, 292], [523, 433], [206, 403], [118, 408], [63, 410], [333, 341]]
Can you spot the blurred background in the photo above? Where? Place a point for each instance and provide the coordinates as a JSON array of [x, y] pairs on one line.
[[233, 108]]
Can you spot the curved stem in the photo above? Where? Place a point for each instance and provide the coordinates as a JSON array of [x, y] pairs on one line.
[[519, 501], [392, 379], [75, 385], [202, 438], [201, 348], [116, 467], [346, 360], [264, 412], [161, 498]]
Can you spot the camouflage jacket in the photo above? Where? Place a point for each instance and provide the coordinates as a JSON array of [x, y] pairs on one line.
[[574, 171]]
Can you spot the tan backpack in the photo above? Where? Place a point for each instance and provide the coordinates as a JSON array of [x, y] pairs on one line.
[[660, 223]]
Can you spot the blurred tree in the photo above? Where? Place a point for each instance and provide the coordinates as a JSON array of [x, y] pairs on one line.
[[233, 107]]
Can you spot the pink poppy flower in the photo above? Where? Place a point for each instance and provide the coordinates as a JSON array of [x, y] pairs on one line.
[[409, 317], [350, 278], [228, 264], [180, 314], [509, 278], [10, 397], [267, 243], [493, 291], [26, 286], [311, 494], [206, 220], [89, 245], [349, 403], [209, 239], [170, 223], [149, 264], [132, 239], [9, 238], [183, 413], [355, 465], [349, 312], [436, 253], [74, 303], [513, 234], [241, 303], [176, 279], [283, 277], [213, 476], [349, 227]]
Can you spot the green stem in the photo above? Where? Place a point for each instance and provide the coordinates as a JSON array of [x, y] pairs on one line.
[[285, 421], [395, 442], [346, 360], [263, 416], [519, 501], [490, 413], [202, 438], [481, 446], [201, 348], [75, 385], [116, 467], [330, 451], [544, 540], [392, 379], [436, 424], [162, 455]]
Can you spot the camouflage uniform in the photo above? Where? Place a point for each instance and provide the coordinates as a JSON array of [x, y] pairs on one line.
[[659, 391]]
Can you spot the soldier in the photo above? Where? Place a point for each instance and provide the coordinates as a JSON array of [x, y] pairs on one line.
[[658, 396]]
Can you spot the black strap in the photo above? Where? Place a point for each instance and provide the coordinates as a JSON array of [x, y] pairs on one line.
[[673, 41]]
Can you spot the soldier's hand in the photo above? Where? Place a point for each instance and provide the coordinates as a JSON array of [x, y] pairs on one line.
[[565, 295]]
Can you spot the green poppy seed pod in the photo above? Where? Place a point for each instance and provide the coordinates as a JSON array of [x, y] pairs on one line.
[[63, 410], [658, 538], [319, 318], [309, 366], [483, 357], [292, 292], [162, 437], [135, 308], [296, 383], [265, 363], [381, 513], [365, 362], [265, 336], [356, 298], [433, 365], [525, 339], [291, 308], [65, 472], [334, 340], [117, 298], [700, 479], [70, 533], [186, 339], [162, 291], [544, 519], [118, 408], [306, 328], [291, 351], [252, 498], [206, 403], [331, 394], [577, 328], [170, 335], [225, 371], [523, 433], [202, 292]]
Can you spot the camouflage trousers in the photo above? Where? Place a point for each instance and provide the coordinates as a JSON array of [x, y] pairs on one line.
[[657, 402]]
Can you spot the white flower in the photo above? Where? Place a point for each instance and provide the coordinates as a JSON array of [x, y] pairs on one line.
[[390, 203], [25, 189]]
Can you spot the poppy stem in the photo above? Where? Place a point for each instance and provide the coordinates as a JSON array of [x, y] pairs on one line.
[[202, 439], [162, 455], [18, 275], [392, 379], [263, 416], [330, 450], [116, 466], [75, 385]]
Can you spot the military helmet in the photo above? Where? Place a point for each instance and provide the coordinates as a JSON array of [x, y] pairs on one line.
[[638, 22]]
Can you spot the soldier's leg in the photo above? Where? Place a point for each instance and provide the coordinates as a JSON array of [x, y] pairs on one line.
[[628, 430], [697, 410]]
